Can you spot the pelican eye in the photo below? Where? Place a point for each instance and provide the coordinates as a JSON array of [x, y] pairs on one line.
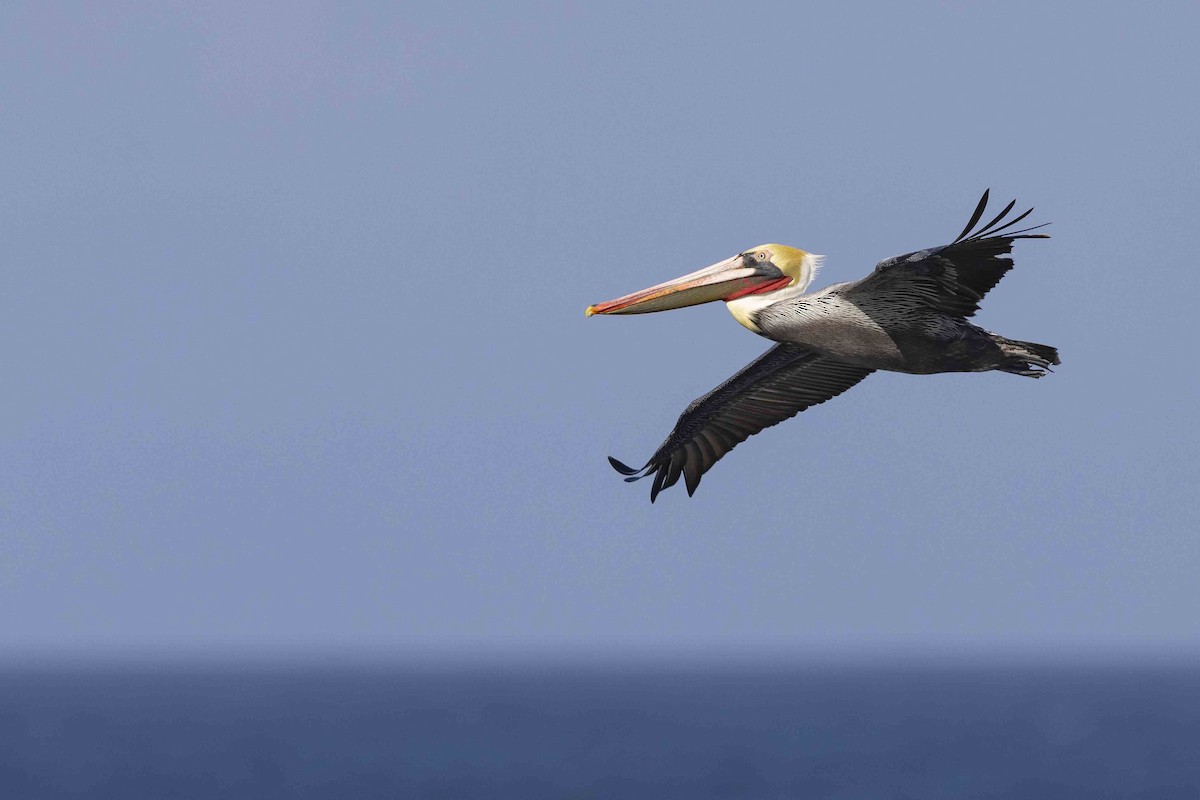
[[761, 255]]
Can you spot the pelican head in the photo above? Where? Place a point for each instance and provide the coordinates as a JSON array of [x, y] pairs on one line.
[[752, 279]]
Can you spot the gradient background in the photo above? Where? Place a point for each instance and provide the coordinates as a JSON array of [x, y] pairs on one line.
[[294, 355]]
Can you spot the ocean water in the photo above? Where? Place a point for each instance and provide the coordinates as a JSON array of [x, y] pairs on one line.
[[654, 730]]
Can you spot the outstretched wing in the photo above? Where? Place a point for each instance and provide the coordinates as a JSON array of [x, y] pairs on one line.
[[951, 279], [776, 386]]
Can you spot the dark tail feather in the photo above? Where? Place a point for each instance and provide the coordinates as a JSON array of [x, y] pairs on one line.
[[1030, 359], [1042, 351]]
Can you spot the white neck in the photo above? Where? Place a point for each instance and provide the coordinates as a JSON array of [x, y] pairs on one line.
[[745, 307]]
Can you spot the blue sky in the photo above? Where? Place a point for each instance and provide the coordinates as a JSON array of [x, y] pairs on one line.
[[294, 350]]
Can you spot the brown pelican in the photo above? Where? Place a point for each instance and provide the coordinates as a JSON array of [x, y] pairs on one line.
[[909, 315]]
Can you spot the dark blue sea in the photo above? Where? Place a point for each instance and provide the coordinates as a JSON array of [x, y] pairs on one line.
[[661, 730]]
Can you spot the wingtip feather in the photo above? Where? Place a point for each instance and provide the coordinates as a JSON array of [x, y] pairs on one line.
[[983, 201], [622, 468], [659, 477]]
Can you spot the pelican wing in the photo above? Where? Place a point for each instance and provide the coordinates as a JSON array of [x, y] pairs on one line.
[[776, 386], [953, 278]]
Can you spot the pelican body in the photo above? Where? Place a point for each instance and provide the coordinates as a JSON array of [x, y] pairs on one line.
[[911, 314]]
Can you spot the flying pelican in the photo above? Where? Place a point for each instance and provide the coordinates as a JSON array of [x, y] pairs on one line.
[[909, 315]]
